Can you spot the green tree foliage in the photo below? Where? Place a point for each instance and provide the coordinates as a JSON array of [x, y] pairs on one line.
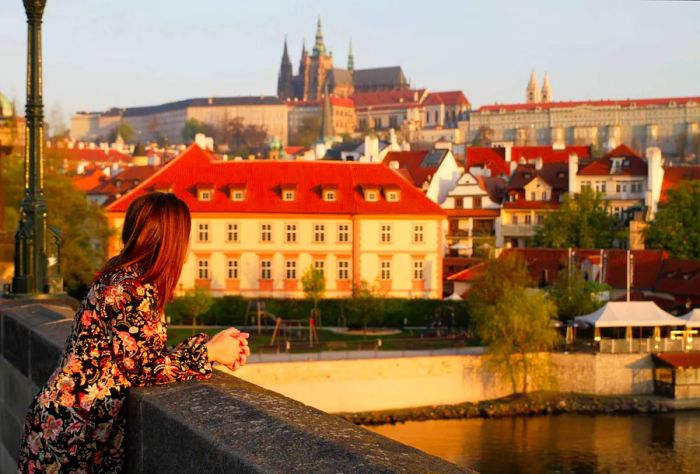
[[314, 284], [124, 130], [516, 330], [573, 295], [193, 127], [83, 225], [581, 222], [195, 303], [500, 277], [367, 302], [676, 227], [308, 132]]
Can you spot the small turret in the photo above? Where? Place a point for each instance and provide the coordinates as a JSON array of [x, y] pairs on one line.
[[546, 89], [351, 59], [319, 47], [532, 95]]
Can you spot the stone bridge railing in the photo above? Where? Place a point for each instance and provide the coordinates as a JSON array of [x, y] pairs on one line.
[[221, 425]]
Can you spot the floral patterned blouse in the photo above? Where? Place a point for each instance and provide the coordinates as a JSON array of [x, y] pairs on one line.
[[118, 340]]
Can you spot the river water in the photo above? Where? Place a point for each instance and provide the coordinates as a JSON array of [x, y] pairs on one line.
[[663, 443]]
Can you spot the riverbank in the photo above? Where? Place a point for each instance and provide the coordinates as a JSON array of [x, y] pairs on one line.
[[537, 403]]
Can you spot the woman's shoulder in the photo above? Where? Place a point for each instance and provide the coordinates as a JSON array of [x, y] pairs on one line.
[[123, 279]]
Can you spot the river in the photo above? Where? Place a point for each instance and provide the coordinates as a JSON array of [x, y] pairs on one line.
[[663, 443]]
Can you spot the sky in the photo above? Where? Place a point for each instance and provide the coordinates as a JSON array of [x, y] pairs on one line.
[[100, 54]]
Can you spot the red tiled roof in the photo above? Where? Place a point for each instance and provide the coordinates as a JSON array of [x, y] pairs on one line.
[[295, 150], [494, 157], [446, 98], [679, 277], [412, 162], [678, 359], [634, 164], [264, 177], [554, 174], [590, 103], [88, 180], [469, 274], [487, 158], [674, 175], [473, 212], [495, 187], [96, 155]]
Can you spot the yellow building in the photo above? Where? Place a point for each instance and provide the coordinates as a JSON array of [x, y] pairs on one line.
[[258, 225]]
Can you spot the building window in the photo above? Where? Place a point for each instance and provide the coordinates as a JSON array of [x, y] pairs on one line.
[[371, 196], [540, 219], [418, 237], [232, 232], [320, 265], [288, 195], [266, 269], [533, 196], [343, 233], [528, 220], [418, 269], [329, 196], [232, 269], [290, 233], [544, 195], [203, 232], [392, 196], [290, 269], [585, 185], [459, 203], [343, 269], [319, 233], [476, 202], [514, 220], [205, 194], [385, 270], [385, 233], [437, 116], [238, 195], [427, 117], [600, 186], [393, 122], [203, 269], [266, 232]]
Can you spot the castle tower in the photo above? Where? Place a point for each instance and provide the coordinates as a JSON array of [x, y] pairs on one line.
[[319, 65], [285, 80], [533, 91], [351, 60], [546, 89], [319, 47]]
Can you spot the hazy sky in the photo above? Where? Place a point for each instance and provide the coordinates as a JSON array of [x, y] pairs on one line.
[[100, 53]]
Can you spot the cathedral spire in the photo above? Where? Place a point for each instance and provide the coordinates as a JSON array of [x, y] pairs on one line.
[[319, 47], [546, 89], [351, 59], [532, 95], [285, 80]]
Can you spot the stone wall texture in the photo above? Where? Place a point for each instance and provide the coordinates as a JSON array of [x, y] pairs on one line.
[[222, 425]]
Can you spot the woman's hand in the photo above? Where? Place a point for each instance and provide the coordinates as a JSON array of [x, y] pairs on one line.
[[230, 348]]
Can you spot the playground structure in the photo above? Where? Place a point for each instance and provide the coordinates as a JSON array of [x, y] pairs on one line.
[[289, 330]]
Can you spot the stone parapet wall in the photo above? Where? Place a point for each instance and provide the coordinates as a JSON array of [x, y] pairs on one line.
[[221, 425]]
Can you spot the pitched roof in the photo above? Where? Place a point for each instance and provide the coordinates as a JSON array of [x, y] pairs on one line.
[[335, 101], [391, 76], [632, 165], [677, 360], [493, 158], [202, 102], [421, 165], [674, 175], [487, 158], [93, 156], [340, 77], [446, 98], [628, 103], [89, 179], [555, 174], [469, 274], [495, 186], [264, 177], [393, 99], [122, 182]]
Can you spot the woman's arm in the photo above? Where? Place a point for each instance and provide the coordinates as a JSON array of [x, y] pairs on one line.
[[139, 338]]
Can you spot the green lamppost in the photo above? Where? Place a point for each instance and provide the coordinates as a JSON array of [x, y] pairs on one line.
[[32, 238]]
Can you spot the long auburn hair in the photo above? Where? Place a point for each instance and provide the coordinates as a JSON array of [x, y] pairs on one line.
[[155, 235]]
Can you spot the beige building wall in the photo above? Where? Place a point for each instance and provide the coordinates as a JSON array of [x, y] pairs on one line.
[[271, 117]]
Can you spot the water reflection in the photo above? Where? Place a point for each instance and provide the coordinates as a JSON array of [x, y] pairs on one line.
[[567, 443]]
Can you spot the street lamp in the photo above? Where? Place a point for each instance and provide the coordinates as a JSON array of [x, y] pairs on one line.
[[34, 238]]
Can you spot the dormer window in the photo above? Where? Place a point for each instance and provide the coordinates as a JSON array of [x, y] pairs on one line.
[[288, 195], [205, 192], [237, 192], [392, 194], [330, 195], [371, 194]]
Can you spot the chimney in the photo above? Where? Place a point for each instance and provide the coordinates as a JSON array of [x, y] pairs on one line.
[[538, 163], [200, 140], [394, 165], [573, 173], [508, 153], [209, 143]]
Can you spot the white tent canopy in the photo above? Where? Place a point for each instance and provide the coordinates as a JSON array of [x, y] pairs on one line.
[[617, 314], [453, 297], [692, 319]]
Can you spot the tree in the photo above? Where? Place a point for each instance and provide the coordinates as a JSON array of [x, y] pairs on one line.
[[308, 132], [193, 127], [516, 330], [83, 225], [314, 283], [124, 130], [483, 137], [57, 128], [676, 227], [573, 295], [195, 303], [367, 301], [500, 277], [582, 221]]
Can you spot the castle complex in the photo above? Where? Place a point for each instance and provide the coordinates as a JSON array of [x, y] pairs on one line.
[[317, 68]]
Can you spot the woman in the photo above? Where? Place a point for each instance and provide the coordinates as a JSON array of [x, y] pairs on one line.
[[77, 421]]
